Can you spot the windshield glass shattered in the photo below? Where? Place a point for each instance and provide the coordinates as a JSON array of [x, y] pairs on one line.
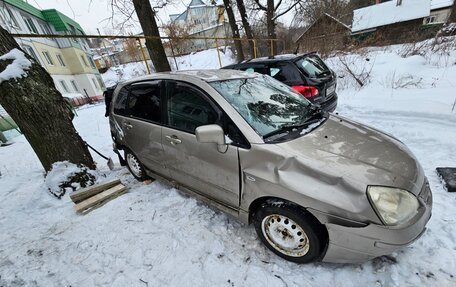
[[265, 103]]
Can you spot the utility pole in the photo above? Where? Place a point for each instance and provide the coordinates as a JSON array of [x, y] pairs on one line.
[[104, 45]]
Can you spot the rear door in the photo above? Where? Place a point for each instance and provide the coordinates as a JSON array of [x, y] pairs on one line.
[[318, 74], [198, 166], [140, 118]]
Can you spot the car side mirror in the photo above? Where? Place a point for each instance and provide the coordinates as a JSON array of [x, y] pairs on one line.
[[212, 134]]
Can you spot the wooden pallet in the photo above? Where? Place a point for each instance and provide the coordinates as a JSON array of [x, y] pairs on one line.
[[97, 195], [87, 192]]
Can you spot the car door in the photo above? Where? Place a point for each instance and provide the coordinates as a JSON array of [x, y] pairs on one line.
[[140, 118], [198, 166]]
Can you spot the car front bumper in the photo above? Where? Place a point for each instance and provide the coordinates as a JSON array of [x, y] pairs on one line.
[[359, 244]]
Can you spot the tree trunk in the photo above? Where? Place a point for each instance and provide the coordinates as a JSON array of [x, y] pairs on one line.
[[452, 18], [270, 22], [246, 24], [41, 113], [235, 30], [146, 18]]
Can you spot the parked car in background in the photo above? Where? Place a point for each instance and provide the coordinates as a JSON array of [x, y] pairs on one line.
[[315, 185], [306, 73]]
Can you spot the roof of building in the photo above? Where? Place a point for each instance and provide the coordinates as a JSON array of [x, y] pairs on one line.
[[389, 12], [59, 20], [324, 15], [438, 4]]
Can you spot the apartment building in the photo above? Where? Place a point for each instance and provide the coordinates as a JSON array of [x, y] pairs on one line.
[[69, 61]]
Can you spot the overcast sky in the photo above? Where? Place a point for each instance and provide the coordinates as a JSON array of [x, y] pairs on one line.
[[91, 14]]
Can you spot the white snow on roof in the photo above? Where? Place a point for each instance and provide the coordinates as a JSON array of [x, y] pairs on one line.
[[388, 13], [17, 68], [437, 4]]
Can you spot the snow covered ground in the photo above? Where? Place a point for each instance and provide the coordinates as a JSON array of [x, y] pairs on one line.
[[207, 59], [156, 236]]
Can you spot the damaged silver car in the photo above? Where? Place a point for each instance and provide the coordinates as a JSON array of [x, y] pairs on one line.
[[316, 186]]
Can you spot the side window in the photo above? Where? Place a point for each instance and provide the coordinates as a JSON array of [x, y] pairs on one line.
[[121, 102], [187, 108], [284, 72], [144, 102], [258, 69]]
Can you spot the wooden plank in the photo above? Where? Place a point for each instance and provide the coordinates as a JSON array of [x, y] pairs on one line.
[[87, 192], [103, 202], [98, 198]]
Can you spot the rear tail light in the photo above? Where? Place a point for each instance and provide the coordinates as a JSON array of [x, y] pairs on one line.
[[307, 91]]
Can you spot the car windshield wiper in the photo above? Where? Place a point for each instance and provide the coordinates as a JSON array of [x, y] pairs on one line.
[[315, 114]]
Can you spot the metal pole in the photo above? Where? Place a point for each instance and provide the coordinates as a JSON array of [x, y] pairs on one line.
[[144, 55], [106, 50], [218, 52], [174, 57], [254, 48]]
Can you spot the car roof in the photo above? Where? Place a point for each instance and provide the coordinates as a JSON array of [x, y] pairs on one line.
[[277, 58], [205, 75]]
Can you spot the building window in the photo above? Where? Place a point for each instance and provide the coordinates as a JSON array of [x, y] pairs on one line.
[[59, 57], [31, 52], [84, 60], [48, 58], [92, 63], [45, 29], [430, 20], [75, 86], [64, 86], [30, 25], [95, 83], [12, 20], [100, 82]]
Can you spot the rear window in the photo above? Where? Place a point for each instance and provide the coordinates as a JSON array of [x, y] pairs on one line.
[[284, 72], [313, 66]]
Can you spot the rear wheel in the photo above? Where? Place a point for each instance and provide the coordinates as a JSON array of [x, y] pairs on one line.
[[290, 232], [135, 166]]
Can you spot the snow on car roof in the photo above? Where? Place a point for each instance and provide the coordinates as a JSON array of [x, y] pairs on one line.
[[216, 75], [389, 12]]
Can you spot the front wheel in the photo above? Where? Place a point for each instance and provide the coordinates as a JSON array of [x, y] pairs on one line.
[[135, 166], [290, 232]]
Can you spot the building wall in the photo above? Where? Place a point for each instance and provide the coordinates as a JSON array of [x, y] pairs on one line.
[[75, 57], [56, 67], [324, 36]]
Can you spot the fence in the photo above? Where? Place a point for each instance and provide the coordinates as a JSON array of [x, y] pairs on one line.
[[173, 46]]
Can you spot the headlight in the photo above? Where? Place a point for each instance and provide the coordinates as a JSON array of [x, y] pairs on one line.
[[393, 205]]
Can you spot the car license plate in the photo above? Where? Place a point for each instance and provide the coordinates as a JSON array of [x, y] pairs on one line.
[[331, 89]]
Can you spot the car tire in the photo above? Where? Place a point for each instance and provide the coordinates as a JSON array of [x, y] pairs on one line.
[[135, 167], [290, 232]]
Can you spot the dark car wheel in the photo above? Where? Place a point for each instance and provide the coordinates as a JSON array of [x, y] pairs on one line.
[[290, 232], [135, 166]]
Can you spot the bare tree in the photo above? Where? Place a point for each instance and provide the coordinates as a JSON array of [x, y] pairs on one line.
[[146, 16], [147, 19], [246, 24], [39, 110], [178, 34], [234, 29], [131, 47], [274, 11]]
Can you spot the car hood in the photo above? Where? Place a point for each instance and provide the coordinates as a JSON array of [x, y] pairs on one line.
[[363, 154]]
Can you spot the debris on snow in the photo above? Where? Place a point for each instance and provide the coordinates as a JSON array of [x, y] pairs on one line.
[[17, 69], [65, 176]]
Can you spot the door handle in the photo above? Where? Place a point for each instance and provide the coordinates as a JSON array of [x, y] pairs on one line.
[[128, 126], [173, 139]]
